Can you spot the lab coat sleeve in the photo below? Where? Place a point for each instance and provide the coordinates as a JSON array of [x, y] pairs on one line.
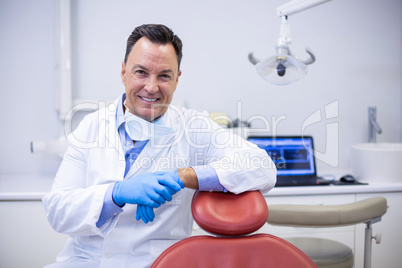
[[73, 205], [109, 208], [240, 165], [245, 169]]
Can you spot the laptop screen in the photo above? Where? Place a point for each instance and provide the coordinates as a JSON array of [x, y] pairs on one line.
[[293, 156]]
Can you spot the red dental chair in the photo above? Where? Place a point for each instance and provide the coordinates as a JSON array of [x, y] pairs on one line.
[[232, 218]]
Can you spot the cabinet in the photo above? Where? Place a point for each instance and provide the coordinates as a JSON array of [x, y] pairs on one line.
[[383, 255], [27, 240]]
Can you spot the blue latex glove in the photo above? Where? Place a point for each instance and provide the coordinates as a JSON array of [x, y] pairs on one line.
[[146, 213], [173, 175], [151, 189]]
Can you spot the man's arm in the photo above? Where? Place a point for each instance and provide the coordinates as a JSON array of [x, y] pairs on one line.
[[239, 165]]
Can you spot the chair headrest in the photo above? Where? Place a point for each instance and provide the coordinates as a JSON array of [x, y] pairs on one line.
[[228, 214]]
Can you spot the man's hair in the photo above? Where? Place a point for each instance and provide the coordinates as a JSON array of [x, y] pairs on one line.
[[157, 34]]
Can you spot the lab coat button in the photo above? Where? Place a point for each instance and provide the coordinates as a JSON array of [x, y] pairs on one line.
[[108, 255]]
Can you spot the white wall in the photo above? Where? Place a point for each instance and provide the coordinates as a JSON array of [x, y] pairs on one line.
[[26, 85], [357, 44]]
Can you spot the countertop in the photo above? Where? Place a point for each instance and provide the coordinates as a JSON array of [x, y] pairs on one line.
[[16, 188], [24, 188]]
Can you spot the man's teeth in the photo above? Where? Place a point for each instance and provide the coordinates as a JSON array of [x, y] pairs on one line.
[[146, 99]]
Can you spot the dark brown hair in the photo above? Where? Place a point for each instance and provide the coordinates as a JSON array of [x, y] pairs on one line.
[[158, 34]]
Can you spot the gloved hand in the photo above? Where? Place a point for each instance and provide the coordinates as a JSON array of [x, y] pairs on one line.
[[151, 189], [146, 213], [173, 175]]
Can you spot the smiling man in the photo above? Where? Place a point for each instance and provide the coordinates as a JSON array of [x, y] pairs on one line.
[[150, 74], [126, 200]]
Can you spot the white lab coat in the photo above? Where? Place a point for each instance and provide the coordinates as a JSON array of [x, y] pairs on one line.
[[95, 159]]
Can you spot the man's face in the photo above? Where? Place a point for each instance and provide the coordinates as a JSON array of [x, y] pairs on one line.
[[150, 77]]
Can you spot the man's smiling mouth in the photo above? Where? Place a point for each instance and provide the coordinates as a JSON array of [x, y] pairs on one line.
[[147, 99]]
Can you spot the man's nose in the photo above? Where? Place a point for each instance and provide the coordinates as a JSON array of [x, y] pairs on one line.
[[152, 85]]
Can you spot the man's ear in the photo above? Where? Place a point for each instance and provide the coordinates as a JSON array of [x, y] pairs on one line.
[[177, 80], [178, 75], [123, 73]]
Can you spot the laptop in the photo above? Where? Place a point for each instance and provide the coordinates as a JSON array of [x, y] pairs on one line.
[[293, 157]]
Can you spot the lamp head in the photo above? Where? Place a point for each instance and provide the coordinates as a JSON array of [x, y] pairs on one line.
[[281, 69]]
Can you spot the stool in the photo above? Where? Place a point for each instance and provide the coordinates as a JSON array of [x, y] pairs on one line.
[[324, 252]]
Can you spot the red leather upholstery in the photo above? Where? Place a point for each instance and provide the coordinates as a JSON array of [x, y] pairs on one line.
[[229, 214], [233, 215]]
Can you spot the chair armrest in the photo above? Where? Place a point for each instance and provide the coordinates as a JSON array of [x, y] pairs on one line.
[[327, 215]]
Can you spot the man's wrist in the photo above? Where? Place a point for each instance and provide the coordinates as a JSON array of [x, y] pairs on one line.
[[117, 203], [188, 177], [115, 189]]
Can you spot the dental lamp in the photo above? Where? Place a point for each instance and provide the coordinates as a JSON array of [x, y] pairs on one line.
[[284, 68]]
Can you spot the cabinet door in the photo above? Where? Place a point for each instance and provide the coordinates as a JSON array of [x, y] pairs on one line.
[[388, 253], [343, 234], [27, 240]]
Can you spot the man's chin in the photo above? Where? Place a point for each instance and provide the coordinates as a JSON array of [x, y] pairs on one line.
[[150, 116]]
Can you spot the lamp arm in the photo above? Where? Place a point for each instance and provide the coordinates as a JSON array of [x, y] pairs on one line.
[[284, 33], [310, 59], [296, 6], [253, 59]]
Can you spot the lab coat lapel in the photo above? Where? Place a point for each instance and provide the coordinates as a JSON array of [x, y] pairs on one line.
[[110, 128], [150, 154]]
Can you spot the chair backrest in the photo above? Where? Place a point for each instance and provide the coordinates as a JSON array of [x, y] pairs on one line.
[[231, 217]]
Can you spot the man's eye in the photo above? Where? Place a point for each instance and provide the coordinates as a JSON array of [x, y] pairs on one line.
[[140, 72], [165, 77]]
